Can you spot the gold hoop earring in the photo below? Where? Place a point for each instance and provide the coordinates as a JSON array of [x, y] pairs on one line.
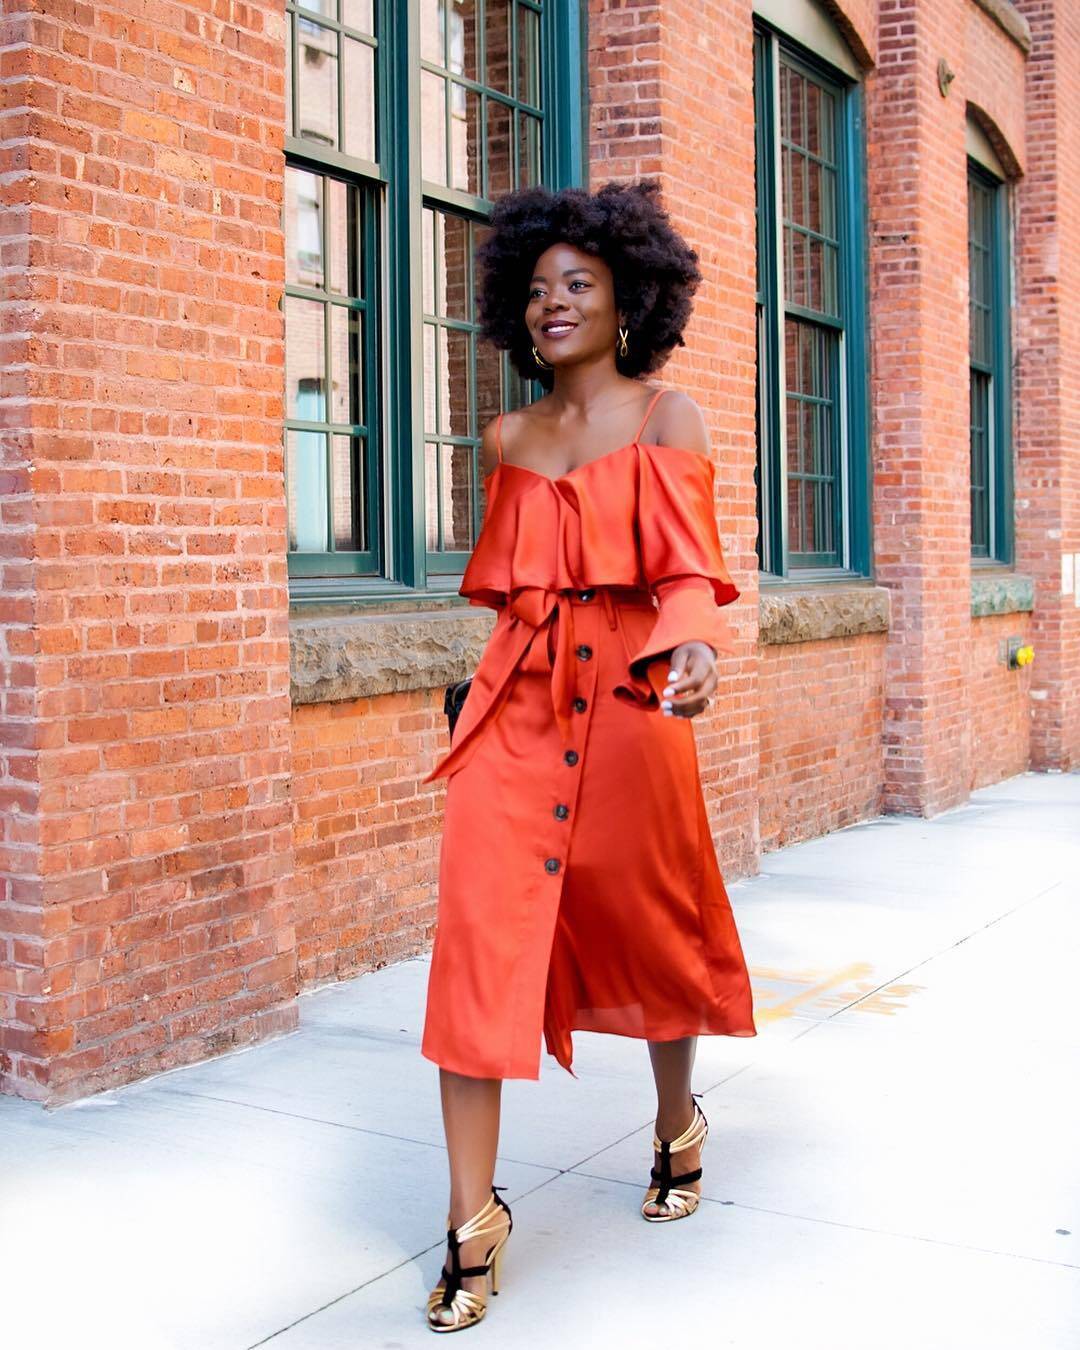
[[622, 342], [540, 360]]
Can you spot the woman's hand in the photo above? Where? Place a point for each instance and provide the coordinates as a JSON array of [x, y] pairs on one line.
[[691, 680]]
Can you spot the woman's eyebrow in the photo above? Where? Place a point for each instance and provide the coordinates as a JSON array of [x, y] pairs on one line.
[[569, 272]]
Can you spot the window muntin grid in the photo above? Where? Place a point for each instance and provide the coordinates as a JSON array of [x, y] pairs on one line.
[[811, 252], [482, 134], [988, 345], [383, 499], [327, 464], [812, 470]]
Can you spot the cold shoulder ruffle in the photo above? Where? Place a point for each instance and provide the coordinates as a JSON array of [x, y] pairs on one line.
[[642, 518]]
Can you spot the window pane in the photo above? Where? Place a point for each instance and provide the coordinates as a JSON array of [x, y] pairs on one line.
[[454, 300], [359, 130], [980, 241], [528, 62], [433, 126], [454, 377], [465, 147], [307, 495], [305, 355], [528, 150], [432, 30], [457, 503], [430, 378], [489, 394], [345, 365], [500, 149], [344, 238], [358, 14], [497, 43], [811, 439], [450, 509], [808, 178], [464, 44], [317, 79], [433, 532], [303, 227], [348, 460], [980, 462]]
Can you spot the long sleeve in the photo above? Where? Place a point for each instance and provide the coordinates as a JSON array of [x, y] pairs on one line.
[[683, 564]]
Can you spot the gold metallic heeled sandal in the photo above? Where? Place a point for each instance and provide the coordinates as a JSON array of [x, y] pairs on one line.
[[468, 1308], [671, 1191]]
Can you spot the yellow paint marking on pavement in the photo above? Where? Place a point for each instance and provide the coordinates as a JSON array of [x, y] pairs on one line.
[[789, 1006], [889, 1000]]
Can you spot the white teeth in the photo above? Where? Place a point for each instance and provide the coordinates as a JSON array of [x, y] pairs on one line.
[[559, 328]]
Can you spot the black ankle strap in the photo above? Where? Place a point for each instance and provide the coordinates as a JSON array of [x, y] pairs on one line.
[[695, 1175]]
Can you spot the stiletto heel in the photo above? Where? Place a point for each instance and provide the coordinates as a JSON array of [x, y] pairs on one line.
[[466, 1307], [495, 1267], [672, 1191]]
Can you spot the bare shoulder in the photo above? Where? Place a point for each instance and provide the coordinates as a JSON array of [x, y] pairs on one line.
[[489, 451], [680, 422], [519, 424]]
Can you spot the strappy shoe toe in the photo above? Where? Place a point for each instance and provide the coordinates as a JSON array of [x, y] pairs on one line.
[[671, 1190], [449, 1306]]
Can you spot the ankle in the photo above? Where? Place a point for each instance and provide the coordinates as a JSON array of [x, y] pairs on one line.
[[467, 1205], [672, 1123]]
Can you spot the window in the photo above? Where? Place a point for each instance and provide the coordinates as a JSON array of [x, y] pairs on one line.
[[813, 455], [989, 308], [404, 121]]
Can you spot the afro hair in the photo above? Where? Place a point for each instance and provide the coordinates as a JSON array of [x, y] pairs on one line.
[[654, 270]]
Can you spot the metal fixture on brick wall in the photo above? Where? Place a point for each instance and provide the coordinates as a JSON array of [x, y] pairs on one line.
[[1016, 653], [945, 76]]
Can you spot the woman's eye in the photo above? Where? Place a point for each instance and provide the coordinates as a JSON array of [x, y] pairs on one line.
[[534, 293]]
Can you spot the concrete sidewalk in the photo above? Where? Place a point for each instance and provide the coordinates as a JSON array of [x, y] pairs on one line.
[[893, 1160]]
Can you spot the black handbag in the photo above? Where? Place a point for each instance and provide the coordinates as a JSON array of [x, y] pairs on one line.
[[454, 700]]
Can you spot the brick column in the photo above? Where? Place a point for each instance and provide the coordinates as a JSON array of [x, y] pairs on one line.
[[145, 915], [919, 396], [673, 99], [1048, 376]]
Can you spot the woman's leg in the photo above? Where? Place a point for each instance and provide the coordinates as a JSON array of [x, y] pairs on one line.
[[471, 1121], [672, 1065]]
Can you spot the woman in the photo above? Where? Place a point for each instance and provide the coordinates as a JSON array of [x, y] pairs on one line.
[[578, 883]]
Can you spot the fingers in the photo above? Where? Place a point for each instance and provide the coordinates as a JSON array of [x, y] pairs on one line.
[[691, 681]]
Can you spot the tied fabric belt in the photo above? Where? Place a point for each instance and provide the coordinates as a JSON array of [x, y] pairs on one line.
[[528, 610], [534, 605]]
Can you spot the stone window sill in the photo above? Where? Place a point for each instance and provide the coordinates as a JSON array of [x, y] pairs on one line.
[[358, 655], [809, 613], [1000, 591]]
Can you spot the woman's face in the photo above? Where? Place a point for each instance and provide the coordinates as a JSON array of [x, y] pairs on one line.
[[571, 311]]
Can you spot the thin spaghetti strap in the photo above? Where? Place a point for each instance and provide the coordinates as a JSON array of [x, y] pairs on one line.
[[498, 436], [648, 413]]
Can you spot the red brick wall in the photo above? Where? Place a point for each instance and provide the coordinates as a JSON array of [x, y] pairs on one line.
[[367, 832], [146, 915], [1000, 701], [820, 707]]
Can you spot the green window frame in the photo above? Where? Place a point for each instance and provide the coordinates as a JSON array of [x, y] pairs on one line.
[[990, 366], [813, 456], [404, 121]]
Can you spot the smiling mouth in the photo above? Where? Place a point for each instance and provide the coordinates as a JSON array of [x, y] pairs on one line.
[[558, 329]]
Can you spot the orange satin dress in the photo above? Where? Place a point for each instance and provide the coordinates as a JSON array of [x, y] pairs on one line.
[[579, 887]]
